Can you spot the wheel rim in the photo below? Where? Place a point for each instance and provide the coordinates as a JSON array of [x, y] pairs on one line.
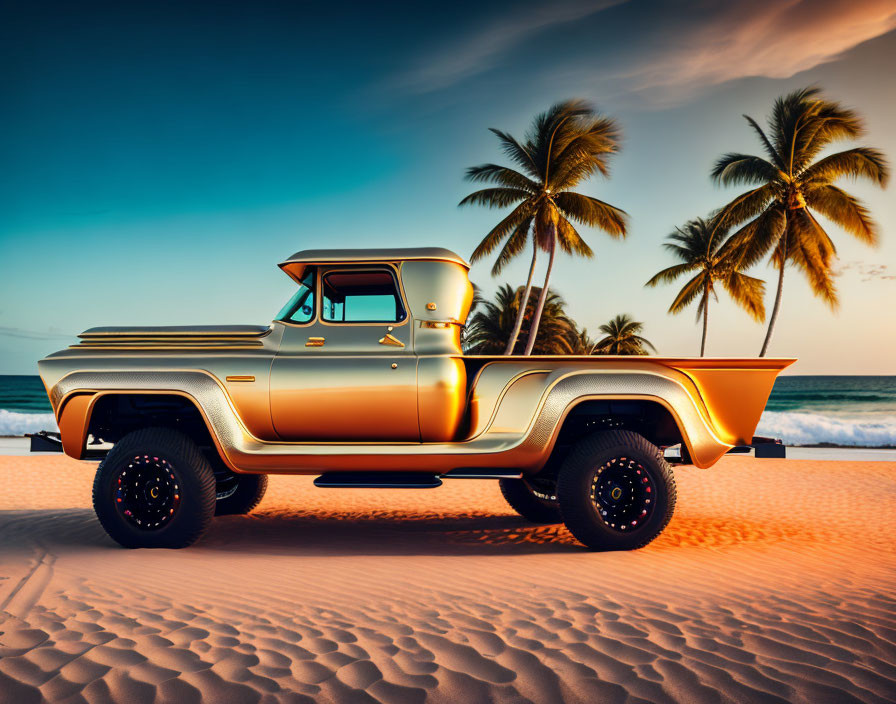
[[147, 493], [543, 489], [226, 486], [623, 493]]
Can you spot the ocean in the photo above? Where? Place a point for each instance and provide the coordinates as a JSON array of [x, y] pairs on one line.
[[802, 410]]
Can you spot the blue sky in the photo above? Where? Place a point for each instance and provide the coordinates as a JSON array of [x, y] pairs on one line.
[[161, 158]]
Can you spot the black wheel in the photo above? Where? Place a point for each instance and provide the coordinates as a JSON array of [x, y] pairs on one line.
[[154, 489], [238, 494], [534, 499], [615, 491]]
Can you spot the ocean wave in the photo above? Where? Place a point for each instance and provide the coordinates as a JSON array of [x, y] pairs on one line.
[[12, 423], [814, 428], [793, 428]]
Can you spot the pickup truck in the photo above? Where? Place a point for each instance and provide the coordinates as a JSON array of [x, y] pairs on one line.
[[361, 380]]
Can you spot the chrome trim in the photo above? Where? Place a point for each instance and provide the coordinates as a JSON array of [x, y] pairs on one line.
[[391, 341], [526, 451]]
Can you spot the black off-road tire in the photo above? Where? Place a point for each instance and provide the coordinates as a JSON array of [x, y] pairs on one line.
[[174, 462], [587, 485], [529, 502], [249, 492]]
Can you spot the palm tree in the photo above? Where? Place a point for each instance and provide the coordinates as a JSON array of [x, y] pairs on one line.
[[622, 336], [582, 342], [791, 183], [566, 146], [465, 331], [492, 324], [701, 247]]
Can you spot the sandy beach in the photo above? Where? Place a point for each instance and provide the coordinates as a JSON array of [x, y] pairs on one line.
[[775, 582]]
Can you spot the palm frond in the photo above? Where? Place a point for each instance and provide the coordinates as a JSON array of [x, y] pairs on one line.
[[770, 151], [811, 250], [748, 292], [754, 240], [745, 206], [791, 114], [845, 210], [570, 240], [503, 176], [499, 231], [515, 244], [586, 151], [670, 274], [860, 162], [829, 122], [593, 212], [552, 130], [693, 288], [735, 169], [496, 197], [516, 152]]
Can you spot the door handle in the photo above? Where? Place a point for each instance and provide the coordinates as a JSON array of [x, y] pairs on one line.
[[315, 342], [390, 340]]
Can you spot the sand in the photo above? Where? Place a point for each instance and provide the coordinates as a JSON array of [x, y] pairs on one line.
[[775, 581]]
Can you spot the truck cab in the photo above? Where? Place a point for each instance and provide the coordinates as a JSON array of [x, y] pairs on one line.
[[370, 347]]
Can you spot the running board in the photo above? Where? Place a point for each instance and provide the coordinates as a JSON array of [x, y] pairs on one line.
[[482, 474], [377, 480]]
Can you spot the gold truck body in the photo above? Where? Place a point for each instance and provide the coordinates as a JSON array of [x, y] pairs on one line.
[[313, 393]]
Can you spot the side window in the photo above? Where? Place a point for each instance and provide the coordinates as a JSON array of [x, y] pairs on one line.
[[300, 308], [369, 296]]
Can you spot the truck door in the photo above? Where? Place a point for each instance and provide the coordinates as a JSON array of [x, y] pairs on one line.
[[346, 370]]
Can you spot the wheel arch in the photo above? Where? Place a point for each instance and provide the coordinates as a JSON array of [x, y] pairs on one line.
[[111, 414], [653, 417]]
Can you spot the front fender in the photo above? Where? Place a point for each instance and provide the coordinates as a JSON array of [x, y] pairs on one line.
[[76, 394]]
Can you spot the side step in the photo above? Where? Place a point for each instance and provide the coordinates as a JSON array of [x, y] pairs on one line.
[[468, 473], [378, 480]]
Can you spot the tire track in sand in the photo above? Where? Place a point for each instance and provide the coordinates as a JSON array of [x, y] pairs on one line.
[[28, 591]]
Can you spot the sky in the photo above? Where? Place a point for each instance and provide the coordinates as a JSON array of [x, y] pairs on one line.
[[160, 158]]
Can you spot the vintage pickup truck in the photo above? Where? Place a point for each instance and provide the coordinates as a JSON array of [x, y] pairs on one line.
[[362, 381]]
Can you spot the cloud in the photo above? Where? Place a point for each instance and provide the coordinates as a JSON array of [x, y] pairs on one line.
[[867, 272], [767, 38], [479, 51], [661, 51], [34, 334]]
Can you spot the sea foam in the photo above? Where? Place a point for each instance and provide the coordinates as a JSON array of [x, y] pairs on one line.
[[800, 428], [12, 423]]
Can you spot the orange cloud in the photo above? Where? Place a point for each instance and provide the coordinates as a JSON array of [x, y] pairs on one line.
[[772, 39]]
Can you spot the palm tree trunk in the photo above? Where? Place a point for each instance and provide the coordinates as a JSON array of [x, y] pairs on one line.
[[539, 307], [524, 302], [705, 321], [777, 306]]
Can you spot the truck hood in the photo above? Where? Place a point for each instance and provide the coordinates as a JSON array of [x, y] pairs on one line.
[[174, 336]]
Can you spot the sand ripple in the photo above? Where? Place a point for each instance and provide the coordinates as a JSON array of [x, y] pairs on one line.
[[774, 583]]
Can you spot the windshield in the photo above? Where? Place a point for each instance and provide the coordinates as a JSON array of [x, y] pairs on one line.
[[300, 308]]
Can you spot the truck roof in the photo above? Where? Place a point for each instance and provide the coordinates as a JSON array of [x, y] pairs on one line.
[[320, 256]]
